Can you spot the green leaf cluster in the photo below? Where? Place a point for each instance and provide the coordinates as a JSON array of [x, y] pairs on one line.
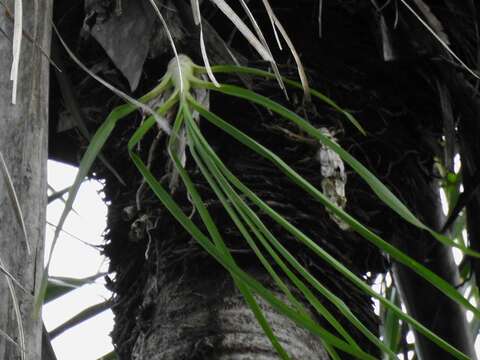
[[176, 94]]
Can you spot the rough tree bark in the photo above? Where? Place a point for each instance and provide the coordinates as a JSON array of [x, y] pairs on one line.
[[207, 318], [23, 143]]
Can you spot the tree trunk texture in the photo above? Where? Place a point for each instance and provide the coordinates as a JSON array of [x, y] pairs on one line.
[[23, 143], [171, 300], [207, 318]]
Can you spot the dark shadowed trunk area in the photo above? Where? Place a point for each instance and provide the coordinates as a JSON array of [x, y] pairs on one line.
[[172, 301]]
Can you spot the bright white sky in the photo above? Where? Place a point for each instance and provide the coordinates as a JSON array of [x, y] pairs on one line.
[[72, 258]]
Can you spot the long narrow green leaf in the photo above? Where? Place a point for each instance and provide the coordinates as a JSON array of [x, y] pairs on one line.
[[319, 251], [262, 73], [110, 356], [332, 352], [391, 326], [59, 286], [79, 318]]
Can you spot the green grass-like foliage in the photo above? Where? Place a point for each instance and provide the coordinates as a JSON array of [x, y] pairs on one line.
[[175, 91]]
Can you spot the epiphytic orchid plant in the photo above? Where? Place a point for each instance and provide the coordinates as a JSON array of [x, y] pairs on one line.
[[182, 92]]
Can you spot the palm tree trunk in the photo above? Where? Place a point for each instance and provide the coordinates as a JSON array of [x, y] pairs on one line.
[[205, 317]]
